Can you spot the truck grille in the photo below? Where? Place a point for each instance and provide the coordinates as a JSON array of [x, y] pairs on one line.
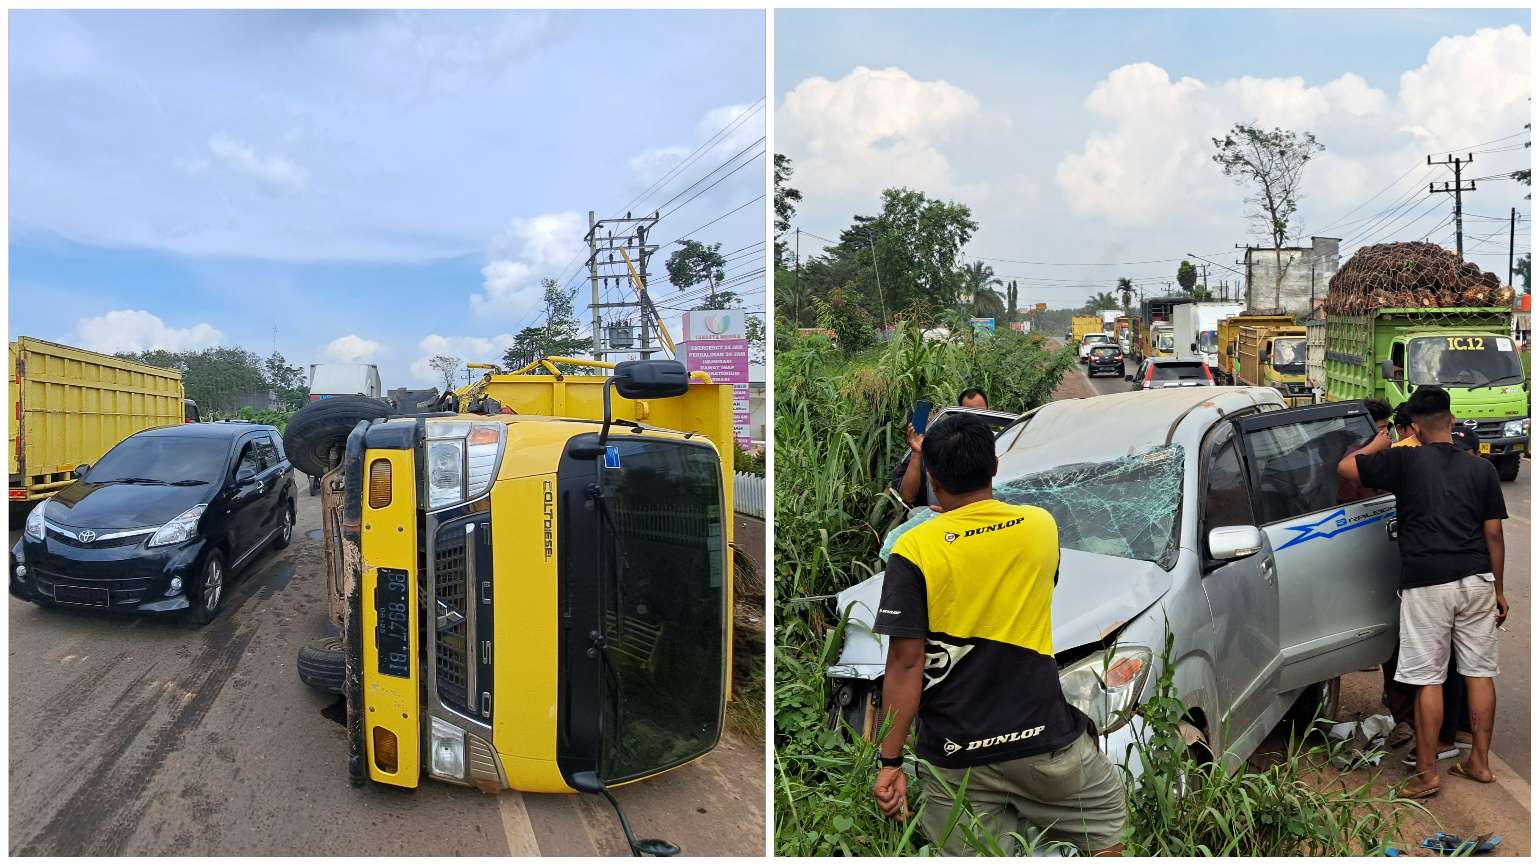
[[449, 583], [1487, 428]]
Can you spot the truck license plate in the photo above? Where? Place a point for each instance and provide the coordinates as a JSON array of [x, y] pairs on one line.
[[391, 635]]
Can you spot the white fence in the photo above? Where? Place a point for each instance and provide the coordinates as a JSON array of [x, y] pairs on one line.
[[748, 495]]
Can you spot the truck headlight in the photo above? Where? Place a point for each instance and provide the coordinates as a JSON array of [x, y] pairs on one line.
[[179, 529], [1515, 428], [448, 751], [462, 460], [1107, 688], [34, 528]]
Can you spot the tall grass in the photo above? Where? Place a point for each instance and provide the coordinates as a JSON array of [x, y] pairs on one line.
[[839, 423]]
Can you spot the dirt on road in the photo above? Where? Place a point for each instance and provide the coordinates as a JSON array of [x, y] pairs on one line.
[[141, 736]]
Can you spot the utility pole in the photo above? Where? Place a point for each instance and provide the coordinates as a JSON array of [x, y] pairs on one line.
[[1458, 189], [1512, 242], [797, 292], [880, 298], [593, 306], [641, 290], [622, 256]]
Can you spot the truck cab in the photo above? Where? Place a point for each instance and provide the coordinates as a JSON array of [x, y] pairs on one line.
[[1483, 374], [534, 588]]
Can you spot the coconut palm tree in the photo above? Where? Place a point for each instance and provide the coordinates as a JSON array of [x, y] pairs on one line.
[[1101, 301], [980, 280], [1125, 289]]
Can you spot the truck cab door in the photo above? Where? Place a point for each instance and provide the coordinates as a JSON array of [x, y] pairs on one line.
[[1337, 563], [1242, 594], [1396, 389]]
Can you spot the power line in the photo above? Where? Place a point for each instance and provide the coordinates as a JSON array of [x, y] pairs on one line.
[[664, 206], [690, 233]]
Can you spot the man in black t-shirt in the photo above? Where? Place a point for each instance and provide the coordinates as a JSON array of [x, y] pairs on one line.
[[967, 608], [1449, 508], [908, 475]]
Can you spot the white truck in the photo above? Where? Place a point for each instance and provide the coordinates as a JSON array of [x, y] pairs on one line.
[[330, 380], [1196, 325], [1109, 320]]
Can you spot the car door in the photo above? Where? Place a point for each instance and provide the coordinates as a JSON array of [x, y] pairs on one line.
[[244, 502], [271, 490], [1338, 564], [1242, 593]]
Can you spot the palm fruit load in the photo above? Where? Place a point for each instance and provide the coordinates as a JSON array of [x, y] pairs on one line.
[[1411, 274]]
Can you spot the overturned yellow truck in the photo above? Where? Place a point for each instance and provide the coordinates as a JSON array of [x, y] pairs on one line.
[[533, 583]]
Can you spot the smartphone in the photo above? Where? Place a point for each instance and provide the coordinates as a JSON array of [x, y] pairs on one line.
[[921, 416]]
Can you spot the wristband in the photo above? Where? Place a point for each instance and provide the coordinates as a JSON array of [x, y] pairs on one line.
[[885, 761]]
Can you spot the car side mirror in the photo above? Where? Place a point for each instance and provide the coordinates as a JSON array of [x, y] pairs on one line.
[[244, 475], [80, 471], [651, 380], [1233, 542]]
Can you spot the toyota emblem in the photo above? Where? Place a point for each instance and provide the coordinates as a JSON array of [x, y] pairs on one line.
[[88, 536]]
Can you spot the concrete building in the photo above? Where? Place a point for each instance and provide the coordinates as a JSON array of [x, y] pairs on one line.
[[1306, 274]]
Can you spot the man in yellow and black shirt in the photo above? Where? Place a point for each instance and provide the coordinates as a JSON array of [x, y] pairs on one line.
[[967, 605]]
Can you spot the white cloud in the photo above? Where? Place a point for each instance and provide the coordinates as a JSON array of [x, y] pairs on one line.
[[273, 171], [527, 251], [139, 330], [352, 349], [481, 349], [871, 129], [1471, 89]]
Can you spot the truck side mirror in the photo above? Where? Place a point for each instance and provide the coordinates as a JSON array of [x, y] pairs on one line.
[[1387, 368], [1194, 347], [642, 380]]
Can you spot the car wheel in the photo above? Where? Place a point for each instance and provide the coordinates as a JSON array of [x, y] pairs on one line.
[[323, 663], [1317, 704], [1507, 467], [207, 599], [320, 429], [285, 527]]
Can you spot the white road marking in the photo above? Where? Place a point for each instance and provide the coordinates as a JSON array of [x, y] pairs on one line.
[[1510, 781], [516, 826]]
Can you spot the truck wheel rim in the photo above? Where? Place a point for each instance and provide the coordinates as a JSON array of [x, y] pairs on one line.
[[213, 585]]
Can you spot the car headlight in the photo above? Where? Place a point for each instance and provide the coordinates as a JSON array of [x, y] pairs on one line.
[[1515, 428], [34, 528], [180, 528], [448, 751], [462, 460], [1107, 688]]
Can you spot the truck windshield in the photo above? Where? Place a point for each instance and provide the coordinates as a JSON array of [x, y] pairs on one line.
[[1288, 355], [1207, 342], [1464, 361], [1165, 341], [162, 460], [665, 610], [1126, 507]]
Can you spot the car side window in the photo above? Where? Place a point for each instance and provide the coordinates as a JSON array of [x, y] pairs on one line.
[[1225, 498], [250, 458], [266, 451], [1294, 469]]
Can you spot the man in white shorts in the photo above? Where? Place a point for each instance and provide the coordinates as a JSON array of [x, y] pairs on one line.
[[1450, 509]]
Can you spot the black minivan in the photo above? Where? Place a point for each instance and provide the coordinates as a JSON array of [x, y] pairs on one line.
[[159, 522]]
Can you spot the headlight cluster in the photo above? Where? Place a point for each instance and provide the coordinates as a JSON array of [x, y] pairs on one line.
[[1515, 428], [34, 528], [461, 460], [1107, 688], [181, 528]]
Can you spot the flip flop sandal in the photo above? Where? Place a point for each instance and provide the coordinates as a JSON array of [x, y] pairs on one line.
[[1460, 770], [1406, 793]]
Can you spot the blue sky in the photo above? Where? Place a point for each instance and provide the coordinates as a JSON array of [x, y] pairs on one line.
[[1083, 135], [377, 185]]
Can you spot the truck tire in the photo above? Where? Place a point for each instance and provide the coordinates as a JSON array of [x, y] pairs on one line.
[[321, 427], [1507, 467], [322, 663]]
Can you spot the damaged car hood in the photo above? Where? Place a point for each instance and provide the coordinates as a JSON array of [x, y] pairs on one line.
[[1095, 596]]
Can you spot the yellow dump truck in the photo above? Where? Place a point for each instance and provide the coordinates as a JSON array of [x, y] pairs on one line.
[[1228, 372], [1275, 356], [70, 406], [532, 581], [1085, 325]]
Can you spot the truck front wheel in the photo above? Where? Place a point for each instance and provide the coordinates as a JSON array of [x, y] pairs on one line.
[[1507, 466]]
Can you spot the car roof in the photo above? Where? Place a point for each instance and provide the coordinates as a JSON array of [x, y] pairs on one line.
[[208, 430], [1162, 360], [1055, 435]]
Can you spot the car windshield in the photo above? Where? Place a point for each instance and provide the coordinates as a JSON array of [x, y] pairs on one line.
[[1207, 341], [162, 460], [1178, 372], [1288, 355], [1465, 360], [1126, 507]]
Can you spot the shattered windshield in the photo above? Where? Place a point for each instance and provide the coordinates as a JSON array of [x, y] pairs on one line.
[[1126, 507]]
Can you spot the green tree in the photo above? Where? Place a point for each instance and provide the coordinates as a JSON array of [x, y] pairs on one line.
[[723, 299], [987, 303], [1186, 276], [753, 331], [447, 366], [1271, 164], [559, 336], [786, 199], [287, 382], [1101, 301], [1012, 294], [695, 263], [1125, 289]]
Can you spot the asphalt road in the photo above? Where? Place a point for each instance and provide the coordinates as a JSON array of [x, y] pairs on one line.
[[141, 736]]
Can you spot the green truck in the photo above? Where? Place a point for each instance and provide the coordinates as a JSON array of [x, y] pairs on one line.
[[1388, 352]]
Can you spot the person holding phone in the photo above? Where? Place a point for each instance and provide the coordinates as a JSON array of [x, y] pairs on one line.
[[908, 475]]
